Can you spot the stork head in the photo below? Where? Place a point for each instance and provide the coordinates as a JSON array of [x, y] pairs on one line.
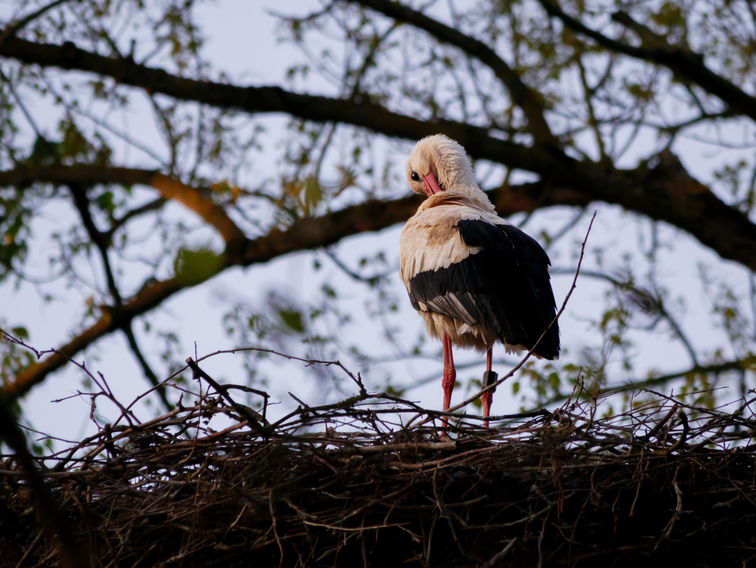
[[438, 164]]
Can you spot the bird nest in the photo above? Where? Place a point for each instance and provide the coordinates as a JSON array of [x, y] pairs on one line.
[[373, 481]]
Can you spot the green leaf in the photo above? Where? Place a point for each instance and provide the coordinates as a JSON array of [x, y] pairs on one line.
[[20, 332], [44, 151], [193, 267], [106, 202], [394, 391], [292, 319], [313, 194]]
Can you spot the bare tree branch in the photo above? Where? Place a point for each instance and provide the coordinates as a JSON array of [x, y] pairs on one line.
[[169, 188], [56, 527], [215, 215], [136, 212], [655, 49], [648, 301], [309, 233], [128, 331], [521, 94], [735, 365], [81, 202], [16, 26], [665, 193], [274, 99]]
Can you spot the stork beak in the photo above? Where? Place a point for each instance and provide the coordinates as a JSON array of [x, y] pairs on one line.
[[431, 185]]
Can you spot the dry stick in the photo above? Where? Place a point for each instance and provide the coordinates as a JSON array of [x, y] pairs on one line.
[[712, 412], [686, 429], [497, 558], [247, 413], [661, 423], [493, 386], [309, 362], [83, 366], [678, 509], [540, 539], [275, 530]]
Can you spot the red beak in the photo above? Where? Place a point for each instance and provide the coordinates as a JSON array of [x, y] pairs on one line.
[[431, 185]]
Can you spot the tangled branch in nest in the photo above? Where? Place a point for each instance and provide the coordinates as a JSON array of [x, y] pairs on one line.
[[348, 485]]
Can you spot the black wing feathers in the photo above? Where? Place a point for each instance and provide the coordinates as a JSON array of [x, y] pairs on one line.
[[505, 287]]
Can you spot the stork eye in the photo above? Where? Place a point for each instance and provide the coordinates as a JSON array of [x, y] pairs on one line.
[[415, 177]]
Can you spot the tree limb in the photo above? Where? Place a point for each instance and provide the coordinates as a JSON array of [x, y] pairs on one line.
[[128, 331], [81, 202], [213, 214], [16, 26], [666, 193], [132, 213], [310, 233], [57, 528], [649, 302], [684, 63], [521, 94], [169, 188], [715, 368], [270, 99], [666, 190]]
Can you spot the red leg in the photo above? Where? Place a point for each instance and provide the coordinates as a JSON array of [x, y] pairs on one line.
[[450, 373], [487, 397]]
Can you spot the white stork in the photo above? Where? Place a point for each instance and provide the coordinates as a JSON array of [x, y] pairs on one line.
[[474, 278]]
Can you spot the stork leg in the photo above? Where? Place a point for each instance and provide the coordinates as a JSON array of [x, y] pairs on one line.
[[487, 397], [450, 373]]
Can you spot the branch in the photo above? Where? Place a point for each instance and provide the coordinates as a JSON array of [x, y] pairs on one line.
[[254, 100], [81, 202], [310, 233], [146, 369], [684, 63], [102, 242], [169, 188], [192, 198], [648, 302], [17, 26], [252, 417], [716, 368], [665, 193], [111, 319], [132, 213], [521, 94], [747, 363]]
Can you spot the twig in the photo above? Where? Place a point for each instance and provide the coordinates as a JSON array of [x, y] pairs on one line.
[[247, 413], [497, 558], [686, 429], [677, 513], [17, 26]]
